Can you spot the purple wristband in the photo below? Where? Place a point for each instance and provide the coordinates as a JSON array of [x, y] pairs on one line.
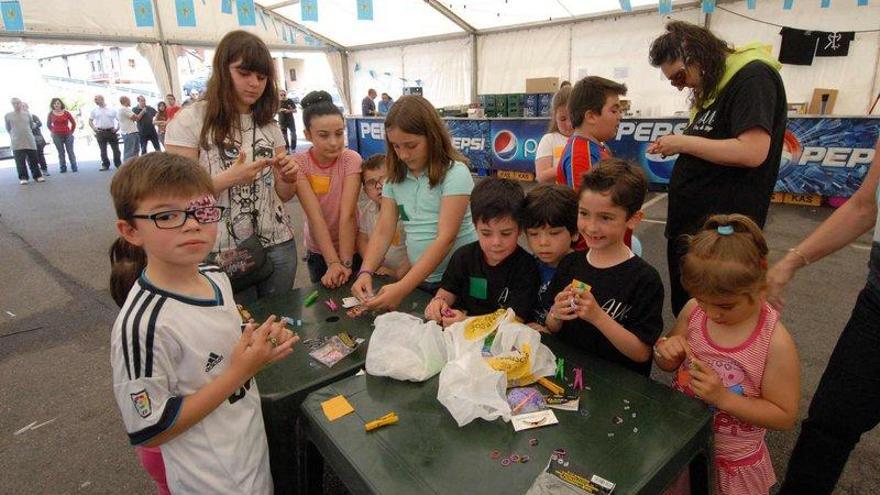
[[370, 272]]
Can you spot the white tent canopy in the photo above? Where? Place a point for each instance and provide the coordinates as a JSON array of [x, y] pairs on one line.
[[457, 49]]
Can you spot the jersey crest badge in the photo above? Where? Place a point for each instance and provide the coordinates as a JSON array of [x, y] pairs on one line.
[[142, 404]]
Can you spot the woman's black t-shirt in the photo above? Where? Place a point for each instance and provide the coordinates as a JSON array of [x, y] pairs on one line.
[[698, 188]]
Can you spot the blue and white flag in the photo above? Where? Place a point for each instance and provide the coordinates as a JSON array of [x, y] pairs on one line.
[[226, 6], [12, 18], [143, 13], [309, 10], [246, 14], [664, 6], [365, 10], [186, 13], [708, 6]]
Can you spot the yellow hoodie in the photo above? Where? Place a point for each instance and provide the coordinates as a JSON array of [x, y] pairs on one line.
[[736, 61]]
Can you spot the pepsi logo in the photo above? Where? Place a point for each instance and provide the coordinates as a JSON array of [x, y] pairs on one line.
[[505, 145]]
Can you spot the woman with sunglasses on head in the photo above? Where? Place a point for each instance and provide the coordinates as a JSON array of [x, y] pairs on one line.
[[233, 134], [728, 156]]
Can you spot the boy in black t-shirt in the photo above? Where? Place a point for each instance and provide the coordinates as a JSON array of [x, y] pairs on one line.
[[609, 301], [493, 272], [549, 218]]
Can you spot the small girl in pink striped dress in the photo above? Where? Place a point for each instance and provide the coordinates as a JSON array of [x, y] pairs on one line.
[[731, 351]]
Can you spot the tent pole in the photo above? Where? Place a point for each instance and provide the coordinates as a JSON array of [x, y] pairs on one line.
[[442, 9], [163, 43], [346, 82], [475, 69]]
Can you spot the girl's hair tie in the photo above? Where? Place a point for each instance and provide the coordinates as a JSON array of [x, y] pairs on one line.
[[724, 229]]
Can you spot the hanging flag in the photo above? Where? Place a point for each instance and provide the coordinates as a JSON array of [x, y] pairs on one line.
[[226, 6], [186, 13], [825, 4], [751, 4], [665, 6], [262, 17], [708, 6], [246, 14], [143, 13], [626, 5], [292, 35], [787, 4], [12, 19], [309, 11], [365, 10], [863, 3]]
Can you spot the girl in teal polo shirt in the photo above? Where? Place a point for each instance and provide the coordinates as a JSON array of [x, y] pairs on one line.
[[428, 188]]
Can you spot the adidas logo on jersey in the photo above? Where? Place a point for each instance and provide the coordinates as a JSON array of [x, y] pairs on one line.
[[213, 360]]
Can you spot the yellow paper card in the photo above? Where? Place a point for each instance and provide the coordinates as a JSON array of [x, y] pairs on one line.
[[320, 183], [336, 407]]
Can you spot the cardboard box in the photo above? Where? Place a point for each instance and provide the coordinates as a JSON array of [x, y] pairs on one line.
[[822, 102], [542, 85], [803, 199]]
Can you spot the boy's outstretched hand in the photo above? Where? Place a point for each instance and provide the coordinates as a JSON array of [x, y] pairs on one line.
[[259, 346]]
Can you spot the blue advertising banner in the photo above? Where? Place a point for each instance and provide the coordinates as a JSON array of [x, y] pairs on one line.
[[821, 155], [471, 137], [515, 142]]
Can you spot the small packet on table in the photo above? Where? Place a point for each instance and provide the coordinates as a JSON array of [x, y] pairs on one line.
[[330, 350]]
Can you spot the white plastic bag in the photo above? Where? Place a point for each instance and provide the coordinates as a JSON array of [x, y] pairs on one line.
[[470, 389], [513, 337], [404, 347], [474, 382], [468, 336]]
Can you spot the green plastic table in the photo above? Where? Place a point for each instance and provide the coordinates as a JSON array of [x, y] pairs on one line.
[[284, 385], [426, 452]]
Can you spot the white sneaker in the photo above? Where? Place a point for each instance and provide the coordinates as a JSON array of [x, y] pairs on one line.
[[23, 182], [41, 179]]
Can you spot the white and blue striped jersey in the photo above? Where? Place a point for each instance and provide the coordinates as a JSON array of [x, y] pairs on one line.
[[164, 347]]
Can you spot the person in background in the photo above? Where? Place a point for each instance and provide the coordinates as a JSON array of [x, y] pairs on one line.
[[161, 120], [368, 106], [286, 121], [328, 186], [729, 154], [37, 129], [145, 125], [62, 125], [552, 144], [428, 188], [395, 263], [385, 104], [131, 142], [24, 147], [173, 107], [594, 109], [565, 84], [105, 125], [232, 133]]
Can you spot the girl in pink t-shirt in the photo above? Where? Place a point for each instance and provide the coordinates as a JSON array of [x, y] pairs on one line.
[[731, 351], [328, 184]]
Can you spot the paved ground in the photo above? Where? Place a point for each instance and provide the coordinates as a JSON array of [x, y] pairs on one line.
[[54, 366]]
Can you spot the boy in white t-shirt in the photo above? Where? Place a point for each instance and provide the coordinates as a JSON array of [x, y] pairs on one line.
[[396, 262]]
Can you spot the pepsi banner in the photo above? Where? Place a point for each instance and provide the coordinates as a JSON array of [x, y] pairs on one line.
[[821, 155], [515, 142], [470, 136]]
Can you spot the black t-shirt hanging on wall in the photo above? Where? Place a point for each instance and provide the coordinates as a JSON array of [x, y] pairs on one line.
[[481, 289], [798, 46], [834, 44], [698, 188]]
